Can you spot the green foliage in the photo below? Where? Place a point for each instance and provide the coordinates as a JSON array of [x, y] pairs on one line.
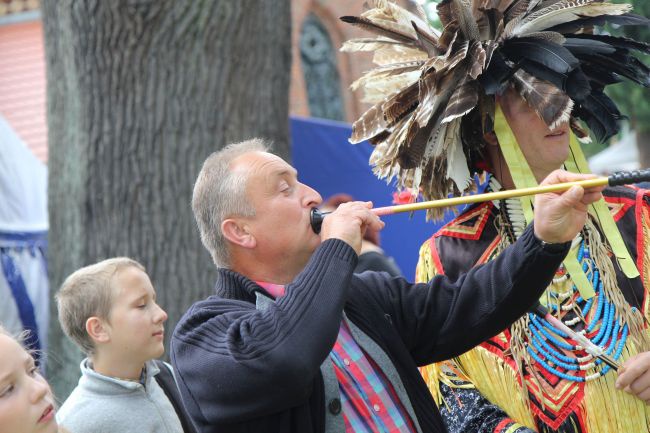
[[632, 99], [432, 16]]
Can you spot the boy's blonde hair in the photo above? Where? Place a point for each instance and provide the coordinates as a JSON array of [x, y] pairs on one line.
[[87, 293]]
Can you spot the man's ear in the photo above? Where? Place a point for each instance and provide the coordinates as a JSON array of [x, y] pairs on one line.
[[237, 232], [98, 330], [491, 138]]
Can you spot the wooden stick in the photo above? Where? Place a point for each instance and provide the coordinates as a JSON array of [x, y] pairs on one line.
[[490, 196], [620, 178]]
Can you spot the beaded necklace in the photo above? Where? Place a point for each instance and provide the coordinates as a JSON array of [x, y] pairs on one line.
[[596, 318]]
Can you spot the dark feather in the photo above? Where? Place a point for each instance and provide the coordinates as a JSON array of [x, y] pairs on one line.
[[400, 104], [579, 46], [550, 103], [495, 78], [578, 86], [427, 42], [370, 124], [464, 99], [418, 135], [444, 12], [476, 57], [553, 56], [599, 76], [545, 3], [600, 114], [466, 22], [383, 135], [368, 25], [517, 8], [410, 153], [617, 42], [448, 36], [577, 129], [498, 5], [575, 83], [623, 64], [626, 19]]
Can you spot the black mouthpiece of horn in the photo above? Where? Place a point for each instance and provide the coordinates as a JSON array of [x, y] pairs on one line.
[[316, 219], [629, 177]]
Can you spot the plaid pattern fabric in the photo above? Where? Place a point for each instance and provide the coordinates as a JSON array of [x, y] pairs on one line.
[[370, 404], [368, 400]]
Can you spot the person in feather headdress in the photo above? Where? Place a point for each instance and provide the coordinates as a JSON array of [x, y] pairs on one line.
[[506, 89]]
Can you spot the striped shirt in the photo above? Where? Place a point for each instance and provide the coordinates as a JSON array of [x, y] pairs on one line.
[[369, 401]]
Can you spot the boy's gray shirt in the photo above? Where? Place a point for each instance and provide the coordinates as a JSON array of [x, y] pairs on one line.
[[102, 404]]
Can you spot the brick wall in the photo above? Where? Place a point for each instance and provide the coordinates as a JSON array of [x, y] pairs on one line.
[[22, 83]]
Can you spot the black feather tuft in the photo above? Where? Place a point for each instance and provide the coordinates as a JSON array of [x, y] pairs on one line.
[[579, 46], [600, 114], [614, 41], [495, 78], [575, 83], [551, 55]]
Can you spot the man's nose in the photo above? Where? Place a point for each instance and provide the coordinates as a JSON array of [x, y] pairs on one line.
[[311, 198]]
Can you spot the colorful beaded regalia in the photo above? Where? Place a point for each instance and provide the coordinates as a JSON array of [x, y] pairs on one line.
[[567, 390], [434, 95]]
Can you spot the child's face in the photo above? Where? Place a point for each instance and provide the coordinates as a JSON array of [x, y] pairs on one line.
[[135, 320], [26, 403]]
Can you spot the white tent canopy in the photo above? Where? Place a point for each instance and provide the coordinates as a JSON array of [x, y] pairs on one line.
[[623, 155], [24, 291], [23, 185]]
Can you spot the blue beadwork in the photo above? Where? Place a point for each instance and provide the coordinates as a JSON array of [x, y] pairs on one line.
[[546, 348]]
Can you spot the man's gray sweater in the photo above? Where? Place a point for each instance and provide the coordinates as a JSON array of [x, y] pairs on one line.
[[102, 404]]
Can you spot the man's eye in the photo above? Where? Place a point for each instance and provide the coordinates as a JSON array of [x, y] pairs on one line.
[[33, 371]]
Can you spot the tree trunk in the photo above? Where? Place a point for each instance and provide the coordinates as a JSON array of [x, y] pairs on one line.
[[643, 144], [139, 94]]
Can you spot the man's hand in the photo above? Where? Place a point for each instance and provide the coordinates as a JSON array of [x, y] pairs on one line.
[[348, 223], [634, 376], [559, 217]]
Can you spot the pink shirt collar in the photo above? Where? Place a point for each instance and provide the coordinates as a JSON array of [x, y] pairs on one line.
[[275, 290]]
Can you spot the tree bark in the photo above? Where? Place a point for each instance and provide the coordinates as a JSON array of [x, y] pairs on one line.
[[139, 94]]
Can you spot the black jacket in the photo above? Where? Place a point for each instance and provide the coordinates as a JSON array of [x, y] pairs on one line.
[[241, 369]]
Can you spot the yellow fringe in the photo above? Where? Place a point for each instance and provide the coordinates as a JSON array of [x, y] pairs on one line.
[[498, 383], [611, 410], [425, 269]]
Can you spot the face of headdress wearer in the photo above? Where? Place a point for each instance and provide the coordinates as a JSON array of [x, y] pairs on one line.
[[281, 226], [544, 149], [26, 402]]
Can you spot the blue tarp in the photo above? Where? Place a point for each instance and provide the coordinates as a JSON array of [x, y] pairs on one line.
[[326, 161]]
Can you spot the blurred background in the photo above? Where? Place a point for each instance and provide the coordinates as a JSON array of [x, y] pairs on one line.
[[108, 109]]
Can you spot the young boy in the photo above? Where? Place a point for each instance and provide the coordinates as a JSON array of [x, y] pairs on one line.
[[109, 310]]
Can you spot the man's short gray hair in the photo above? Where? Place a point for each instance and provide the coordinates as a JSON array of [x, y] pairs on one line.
[[220, 193]]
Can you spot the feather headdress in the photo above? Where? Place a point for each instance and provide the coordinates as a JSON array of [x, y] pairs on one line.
[[434, 92]]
